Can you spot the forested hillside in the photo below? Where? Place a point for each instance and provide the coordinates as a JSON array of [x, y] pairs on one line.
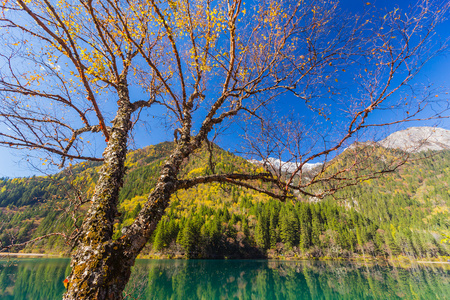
[[402, 213]]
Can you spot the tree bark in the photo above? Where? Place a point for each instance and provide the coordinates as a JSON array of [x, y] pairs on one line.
[[101, 266], [96, 263], [103, 272]]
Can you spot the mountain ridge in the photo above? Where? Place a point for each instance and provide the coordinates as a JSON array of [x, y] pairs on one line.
[[418, 139], [412, 139], [400, 214]]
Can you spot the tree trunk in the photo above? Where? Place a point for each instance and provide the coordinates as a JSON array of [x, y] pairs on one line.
[[103, 272], [97, 256], [101, 266]]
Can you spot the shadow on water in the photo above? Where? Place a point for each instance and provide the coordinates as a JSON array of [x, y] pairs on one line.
[[238, 279]]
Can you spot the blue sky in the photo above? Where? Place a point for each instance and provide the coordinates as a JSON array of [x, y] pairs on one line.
[[13, 162]]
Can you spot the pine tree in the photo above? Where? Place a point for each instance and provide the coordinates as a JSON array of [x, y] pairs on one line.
[[273, 229], [261, 232], [305, 226], [288, 227], [391, 244], [215, 232], [316, 229], [159, 239], [189, 238], [245, 228]]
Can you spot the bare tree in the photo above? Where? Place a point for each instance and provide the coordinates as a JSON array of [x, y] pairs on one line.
[[69, 69]]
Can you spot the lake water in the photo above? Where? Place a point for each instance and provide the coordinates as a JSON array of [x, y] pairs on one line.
[[239, 279]]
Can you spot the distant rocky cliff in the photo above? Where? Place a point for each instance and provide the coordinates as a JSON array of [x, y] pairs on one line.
[[417, 139]]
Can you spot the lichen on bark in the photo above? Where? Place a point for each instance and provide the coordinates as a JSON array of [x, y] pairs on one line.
[[97, 261]]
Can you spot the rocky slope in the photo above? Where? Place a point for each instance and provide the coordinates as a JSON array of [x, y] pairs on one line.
[[417, 139]]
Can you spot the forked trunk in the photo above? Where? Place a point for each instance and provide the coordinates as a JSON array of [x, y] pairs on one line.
[[103, 272], [97, 258], [101, 266]]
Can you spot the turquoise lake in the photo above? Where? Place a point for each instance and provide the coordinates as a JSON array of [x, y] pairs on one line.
[[239, 279]]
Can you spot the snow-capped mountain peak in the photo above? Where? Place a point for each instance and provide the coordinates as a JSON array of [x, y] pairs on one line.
[[289, 167], [417, 139]]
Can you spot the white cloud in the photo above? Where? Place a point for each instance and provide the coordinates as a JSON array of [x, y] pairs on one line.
[[53, 66]]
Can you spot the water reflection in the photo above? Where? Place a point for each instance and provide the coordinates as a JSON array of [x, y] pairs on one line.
[[232, 279], [33, 279], [286, 280]]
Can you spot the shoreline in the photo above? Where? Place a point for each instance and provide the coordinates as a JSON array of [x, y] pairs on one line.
[[28, 254], [432, 262], [43, 255]]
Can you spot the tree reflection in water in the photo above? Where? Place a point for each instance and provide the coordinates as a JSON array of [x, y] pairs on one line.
[[33, 279], [239, 279]]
